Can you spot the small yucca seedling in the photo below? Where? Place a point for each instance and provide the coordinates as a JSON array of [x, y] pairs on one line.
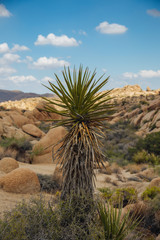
[[84, 109], [116, 226]]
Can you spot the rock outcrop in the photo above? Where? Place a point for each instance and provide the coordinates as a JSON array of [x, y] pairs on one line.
[[46, 144], [32, 130], [8, 164], [21, 180]]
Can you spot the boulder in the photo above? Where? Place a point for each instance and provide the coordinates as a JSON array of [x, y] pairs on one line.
[[158, 237], [154, 104], [21, 180], [148, 116], [40, 113], [156, 117], [32, 130], [155, 130], [8, 164], [158, 124], [1, 128], [7, 120], [131, 114], [148, 89], [155, 182], [136, 121], [19, 120], [11, 131], [46, 144], [45, 158]]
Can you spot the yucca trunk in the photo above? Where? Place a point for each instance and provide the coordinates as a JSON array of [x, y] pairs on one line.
[[78, 154]]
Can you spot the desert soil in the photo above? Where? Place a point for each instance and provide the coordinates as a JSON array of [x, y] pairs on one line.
[[9, 200]]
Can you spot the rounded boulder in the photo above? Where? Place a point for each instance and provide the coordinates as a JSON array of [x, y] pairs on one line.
[[32, 130], [21, 180], [8, 164]]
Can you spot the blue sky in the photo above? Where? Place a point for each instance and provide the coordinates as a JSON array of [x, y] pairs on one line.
[[118, 37]]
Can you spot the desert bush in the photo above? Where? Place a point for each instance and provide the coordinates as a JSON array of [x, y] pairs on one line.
[[17, 147], [150, 144], [21, 143], [150, 216], [107, 170], [118, 196], [106, 193], [157, 170], [150, 193], [33, 220], [115, 168], [124, 196], [41, 220], [48, 184], [136, 168], [144, 157], [117, 142], [45, 127]]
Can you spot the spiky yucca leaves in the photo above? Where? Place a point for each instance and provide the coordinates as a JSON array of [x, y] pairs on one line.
[[115, 226], [83, 109]]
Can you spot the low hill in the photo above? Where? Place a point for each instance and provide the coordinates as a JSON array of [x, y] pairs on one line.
[[6, 95]]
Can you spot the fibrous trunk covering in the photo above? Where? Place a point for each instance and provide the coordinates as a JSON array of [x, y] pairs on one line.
[[78, 155]]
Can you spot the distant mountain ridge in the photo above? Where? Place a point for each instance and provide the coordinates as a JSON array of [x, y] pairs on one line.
[[6, 95]]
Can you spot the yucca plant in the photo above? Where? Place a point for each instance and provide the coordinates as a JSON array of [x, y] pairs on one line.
[[83, 109], [116, 226]]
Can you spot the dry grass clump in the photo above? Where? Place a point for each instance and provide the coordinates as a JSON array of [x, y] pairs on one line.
[[107, 179], [116, 168], [148, 174], [106, 170], [8, 153], [136, 168]]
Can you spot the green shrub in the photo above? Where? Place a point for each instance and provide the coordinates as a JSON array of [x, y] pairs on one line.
[[117, 141], [120, 195], [155, 203], [150, 193], [35, 220], [157, 170], [19, 148], [41, 220], [150, 144], [18, 144], [106, 193], [124, 196], [48, 184], [144, 157]]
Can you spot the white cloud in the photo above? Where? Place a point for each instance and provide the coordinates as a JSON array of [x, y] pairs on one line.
[[104, 70], [59, 41], [22, 79], [49, 63], [153, 12], [112, 28], [9, 58], [29, 58], [17, 48], [149, 73], [130, 75], [4, 12], [6, 71], [142, 74], [82, 32], [46, 79], [4, 47]]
